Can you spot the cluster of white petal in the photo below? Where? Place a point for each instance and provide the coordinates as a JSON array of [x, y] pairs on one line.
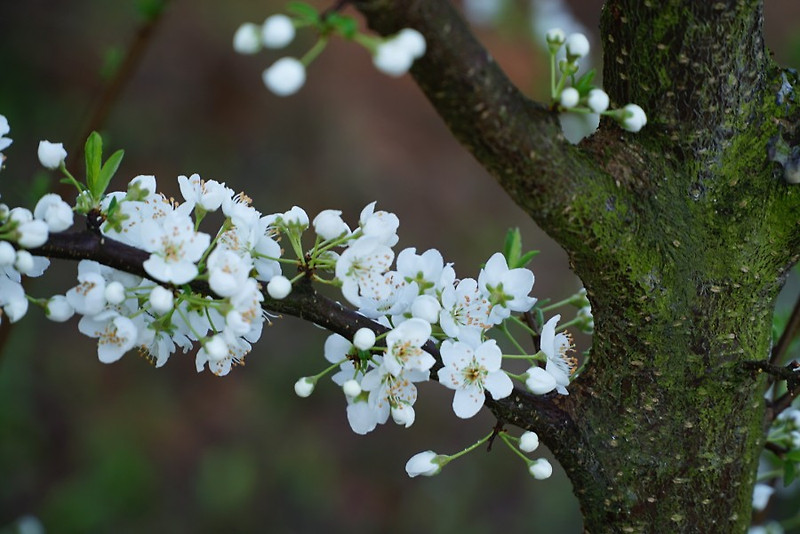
[[159, 314], [422, 305]]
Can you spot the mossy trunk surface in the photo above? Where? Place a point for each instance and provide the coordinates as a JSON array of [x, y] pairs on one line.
[[682, 235]]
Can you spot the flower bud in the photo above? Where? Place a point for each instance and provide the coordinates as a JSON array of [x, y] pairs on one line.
[[412, 41], [528, 442], [277, 31], [364, 339], [555, 36], [247, 39], [329, 224], [32, 234], [285, 77], [279, 287], [633, 118], [58, 309], [51, 155], [54, 211], [540, 469], [115, 293], [403, 414], [597, 100], [24, 262], [161, 300], [352, 388], [216, 348], [427, 308], [569, 97], [426, 463], [540, 381], [577, 46], [304, 387]]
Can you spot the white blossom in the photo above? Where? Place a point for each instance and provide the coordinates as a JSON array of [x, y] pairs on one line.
[[116, 334], [7, 254], [577, 126], [13, 299], [206, 194], [506, 289], [405, 347], [175, 247], [365, 260], [379, 224], [5, 142], [53, 211], [471, 371]]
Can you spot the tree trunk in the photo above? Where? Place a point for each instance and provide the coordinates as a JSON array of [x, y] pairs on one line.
[[682, 235]]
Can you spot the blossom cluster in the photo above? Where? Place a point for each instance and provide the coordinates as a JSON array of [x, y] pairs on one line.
[[212, 259], [581, 104], [391, 55]]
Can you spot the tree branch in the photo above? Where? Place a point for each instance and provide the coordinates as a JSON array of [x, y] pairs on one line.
[[517, 140], [542, 414]]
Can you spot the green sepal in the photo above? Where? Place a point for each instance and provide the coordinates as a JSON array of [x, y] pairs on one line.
[[584, 83]]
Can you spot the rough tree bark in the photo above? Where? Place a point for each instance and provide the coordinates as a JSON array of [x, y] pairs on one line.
[[682, 235]]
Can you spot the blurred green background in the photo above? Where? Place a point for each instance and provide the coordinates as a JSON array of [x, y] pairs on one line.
[[87, 447]]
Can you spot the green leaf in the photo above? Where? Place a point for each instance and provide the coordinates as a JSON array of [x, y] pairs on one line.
[[93, 153], [584, 83], [794, 456], [525, 259], [107, 173], [512, 247], [303, 12]]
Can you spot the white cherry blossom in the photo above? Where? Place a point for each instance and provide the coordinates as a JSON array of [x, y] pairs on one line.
[[506, 289], [175, 247], [471, 371], [405, 347]]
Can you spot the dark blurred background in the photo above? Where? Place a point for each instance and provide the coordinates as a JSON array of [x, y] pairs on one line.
[[88, 447]]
